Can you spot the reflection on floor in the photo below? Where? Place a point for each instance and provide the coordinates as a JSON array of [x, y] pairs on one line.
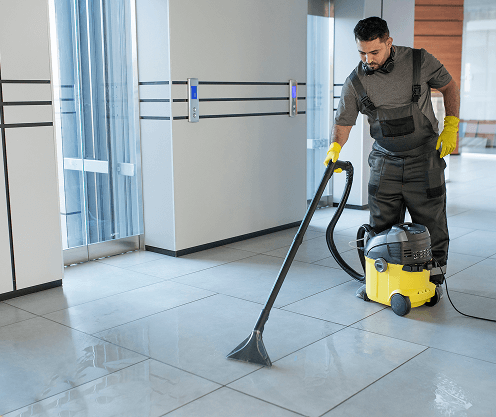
[[142, 334]]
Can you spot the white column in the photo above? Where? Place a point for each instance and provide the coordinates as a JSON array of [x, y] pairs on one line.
[[224, 177]]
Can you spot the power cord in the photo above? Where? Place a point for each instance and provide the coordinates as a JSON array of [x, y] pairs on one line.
[[449, 298]]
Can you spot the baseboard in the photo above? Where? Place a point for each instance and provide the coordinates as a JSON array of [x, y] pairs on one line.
[[30, 290], [223, 242], [352, 206]]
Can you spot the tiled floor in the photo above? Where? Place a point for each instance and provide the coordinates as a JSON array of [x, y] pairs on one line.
[[142, 334]]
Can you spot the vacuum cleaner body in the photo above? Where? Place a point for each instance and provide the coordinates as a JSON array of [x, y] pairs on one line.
[[397, 267]]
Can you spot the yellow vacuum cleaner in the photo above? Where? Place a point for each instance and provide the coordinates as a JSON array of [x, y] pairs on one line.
[[397, 268], [397, 262]]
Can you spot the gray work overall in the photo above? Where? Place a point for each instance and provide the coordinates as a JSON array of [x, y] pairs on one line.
[[406, 171]]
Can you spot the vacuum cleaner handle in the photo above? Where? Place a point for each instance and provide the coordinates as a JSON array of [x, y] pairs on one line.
[[348, 167], [252, 348], [298, 239]]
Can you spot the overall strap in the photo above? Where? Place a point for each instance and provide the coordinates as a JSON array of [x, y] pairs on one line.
[[417, 63], [364, 98]]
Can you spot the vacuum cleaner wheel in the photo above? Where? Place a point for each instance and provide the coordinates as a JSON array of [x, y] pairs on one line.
[[434, 300], [401, 305]]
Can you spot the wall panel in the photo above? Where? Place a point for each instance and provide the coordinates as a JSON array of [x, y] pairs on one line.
[[438, 29], [34, 206], [27, 135]]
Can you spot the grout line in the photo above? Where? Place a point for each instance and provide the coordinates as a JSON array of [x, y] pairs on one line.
[[154, 314], [26, 311], [192, 401], [372, 383], [468, 267], [15, 322], [319, 292], [265, 401]]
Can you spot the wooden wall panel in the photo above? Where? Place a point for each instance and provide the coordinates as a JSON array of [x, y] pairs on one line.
[[438, 13], [440, 2], [444, 28], [439, 29]]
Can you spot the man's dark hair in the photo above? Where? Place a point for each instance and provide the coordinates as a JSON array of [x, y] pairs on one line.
[[371, 28]]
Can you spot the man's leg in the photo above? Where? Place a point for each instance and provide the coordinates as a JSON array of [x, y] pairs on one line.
[[385, 198], [425, 197]]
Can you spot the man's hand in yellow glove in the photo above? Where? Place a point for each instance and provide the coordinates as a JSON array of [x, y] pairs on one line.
[[448, 136], [333, 155]]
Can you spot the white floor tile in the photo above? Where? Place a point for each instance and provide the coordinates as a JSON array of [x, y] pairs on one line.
[[40, 358], [115, 310], [458, 262], [10, 315], [338, 304], [131, 258], [315, 249], [484, 220], [350, 257], [479, 279], [149, 388], [478, 243], [315, 379], [442, 327], [434, 383], [226, 402], [455, 231]]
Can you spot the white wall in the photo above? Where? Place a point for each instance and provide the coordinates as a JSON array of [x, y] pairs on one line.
[[400, 18], [156, 135], [233, 175], [25, 55]]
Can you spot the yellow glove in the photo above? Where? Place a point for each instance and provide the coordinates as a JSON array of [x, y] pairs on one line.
[[333, 155], [448, 136]]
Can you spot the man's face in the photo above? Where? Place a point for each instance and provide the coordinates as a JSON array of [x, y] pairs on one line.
[[374, 53]]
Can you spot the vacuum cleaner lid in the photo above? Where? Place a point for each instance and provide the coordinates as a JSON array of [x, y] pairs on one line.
[[404, 244]]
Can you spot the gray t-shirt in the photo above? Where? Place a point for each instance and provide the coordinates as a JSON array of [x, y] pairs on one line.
[[395, 88]]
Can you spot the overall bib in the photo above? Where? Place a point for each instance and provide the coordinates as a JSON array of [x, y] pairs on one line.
[[406, 171]]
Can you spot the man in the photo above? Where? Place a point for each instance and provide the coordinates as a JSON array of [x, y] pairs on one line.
[[392, 86]]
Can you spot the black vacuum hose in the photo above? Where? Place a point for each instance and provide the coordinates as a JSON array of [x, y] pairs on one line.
[[360, 234]]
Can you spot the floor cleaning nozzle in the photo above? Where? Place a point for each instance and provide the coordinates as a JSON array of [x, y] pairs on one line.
[[252, 349]]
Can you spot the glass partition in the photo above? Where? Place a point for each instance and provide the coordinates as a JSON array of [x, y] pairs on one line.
[[320, 45], [478, 89], [97, 119]]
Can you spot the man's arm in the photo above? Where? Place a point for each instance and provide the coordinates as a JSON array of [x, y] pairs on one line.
[[451, 96], [448, 136], [339, 136]]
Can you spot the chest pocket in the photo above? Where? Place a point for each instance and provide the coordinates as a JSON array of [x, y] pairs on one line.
[[392, 124]]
